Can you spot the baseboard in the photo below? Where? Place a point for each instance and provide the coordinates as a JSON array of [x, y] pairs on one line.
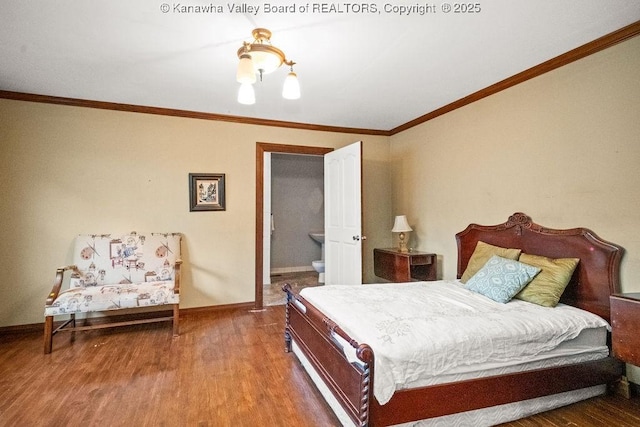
[[93, 318], [240, 305], [31, 328], [283, 270]]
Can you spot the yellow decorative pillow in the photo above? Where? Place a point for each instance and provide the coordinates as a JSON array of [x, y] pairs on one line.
[[547, 287], [481, 255]]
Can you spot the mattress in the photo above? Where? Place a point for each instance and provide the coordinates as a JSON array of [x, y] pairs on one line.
[[426, 333]]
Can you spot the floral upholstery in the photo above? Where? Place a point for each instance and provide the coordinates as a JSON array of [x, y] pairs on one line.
[[124, 271]]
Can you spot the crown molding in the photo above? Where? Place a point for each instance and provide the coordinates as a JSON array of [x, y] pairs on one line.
[[86, 103]]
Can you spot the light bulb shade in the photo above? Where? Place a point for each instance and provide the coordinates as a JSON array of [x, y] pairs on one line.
[[246, 95], [246, 72], [291, 88], [401, 225]]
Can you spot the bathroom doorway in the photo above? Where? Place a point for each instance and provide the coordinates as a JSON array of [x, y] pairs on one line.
[[264, 225], [296, 198]]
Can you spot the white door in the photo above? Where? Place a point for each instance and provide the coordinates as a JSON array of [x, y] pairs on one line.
[[266, 219], [343, 215]]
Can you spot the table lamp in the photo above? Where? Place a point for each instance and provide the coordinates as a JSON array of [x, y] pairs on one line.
[[401, 226]]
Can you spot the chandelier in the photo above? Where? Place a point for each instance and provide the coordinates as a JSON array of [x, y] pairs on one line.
[[258, 58]]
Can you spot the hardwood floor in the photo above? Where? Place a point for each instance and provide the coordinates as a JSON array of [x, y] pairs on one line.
[[227, 368]]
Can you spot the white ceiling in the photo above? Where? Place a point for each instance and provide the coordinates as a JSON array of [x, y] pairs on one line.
[[370, 71]]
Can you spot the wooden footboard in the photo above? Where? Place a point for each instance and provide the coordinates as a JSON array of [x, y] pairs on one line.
[[351, 382], [451, 398]]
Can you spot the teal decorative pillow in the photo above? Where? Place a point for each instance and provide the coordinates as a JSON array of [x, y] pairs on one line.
[[501, 279]]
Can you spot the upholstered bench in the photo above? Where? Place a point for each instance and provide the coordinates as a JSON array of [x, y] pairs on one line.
[[116, 272]]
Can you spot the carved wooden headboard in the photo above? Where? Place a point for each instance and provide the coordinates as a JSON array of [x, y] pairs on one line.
[[596, 277]]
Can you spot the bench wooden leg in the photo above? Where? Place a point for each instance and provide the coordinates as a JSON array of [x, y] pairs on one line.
[[48, 334], [72, 319], [176, 319]]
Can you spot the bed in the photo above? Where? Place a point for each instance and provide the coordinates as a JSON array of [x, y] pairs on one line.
[[344, 369]]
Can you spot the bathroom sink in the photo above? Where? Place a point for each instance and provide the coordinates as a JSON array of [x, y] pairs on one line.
[[318, 237]]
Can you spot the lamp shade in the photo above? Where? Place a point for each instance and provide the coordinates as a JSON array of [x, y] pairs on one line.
[[245, 73], [291, 88], [246, 95], [401, 225]]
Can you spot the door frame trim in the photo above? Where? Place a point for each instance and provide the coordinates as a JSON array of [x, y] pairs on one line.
[[261, 148]]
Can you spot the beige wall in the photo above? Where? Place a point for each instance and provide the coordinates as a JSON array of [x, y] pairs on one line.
[[69, 170], [563, 148]]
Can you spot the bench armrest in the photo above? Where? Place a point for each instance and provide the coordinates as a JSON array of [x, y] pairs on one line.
[[176, 286], [57, 283]]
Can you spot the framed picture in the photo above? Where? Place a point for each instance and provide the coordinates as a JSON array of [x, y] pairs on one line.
[[206, 192]]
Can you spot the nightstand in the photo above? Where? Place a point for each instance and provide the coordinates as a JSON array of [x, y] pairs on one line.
[[397, 266], [625, 324]]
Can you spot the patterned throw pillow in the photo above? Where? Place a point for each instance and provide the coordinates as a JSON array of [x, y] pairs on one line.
[[501, 279]]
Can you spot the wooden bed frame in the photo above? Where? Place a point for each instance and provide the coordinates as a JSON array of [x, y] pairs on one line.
[[595, 278]]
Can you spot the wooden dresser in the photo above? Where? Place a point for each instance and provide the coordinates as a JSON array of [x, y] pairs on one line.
[[397, 266], [625, 324]]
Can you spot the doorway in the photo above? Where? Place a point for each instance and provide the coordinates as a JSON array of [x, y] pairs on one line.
[[262, 223]]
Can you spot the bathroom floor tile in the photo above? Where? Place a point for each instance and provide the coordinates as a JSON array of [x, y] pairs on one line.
[[274, 295]]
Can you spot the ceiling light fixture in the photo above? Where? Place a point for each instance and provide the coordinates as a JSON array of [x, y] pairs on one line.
[[260, 57]]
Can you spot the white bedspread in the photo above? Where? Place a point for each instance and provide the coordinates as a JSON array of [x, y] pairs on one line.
[[431, 328]]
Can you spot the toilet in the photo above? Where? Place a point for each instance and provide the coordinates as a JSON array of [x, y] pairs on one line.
[[319, 265]]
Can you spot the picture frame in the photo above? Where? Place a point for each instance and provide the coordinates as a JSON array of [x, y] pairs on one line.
[[206, 192]]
